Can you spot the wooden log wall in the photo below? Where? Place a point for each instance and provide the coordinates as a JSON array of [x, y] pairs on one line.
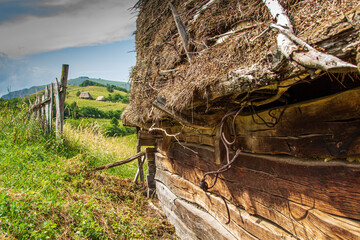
[[42, 108], [286, 183], [294, 197], [325, 128]]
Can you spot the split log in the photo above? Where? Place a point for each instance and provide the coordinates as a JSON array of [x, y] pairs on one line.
[[200, 223], [335, 37], [130, 159], [288, 44]]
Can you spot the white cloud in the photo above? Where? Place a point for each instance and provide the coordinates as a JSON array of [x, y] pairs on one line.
[[79, 23], [17, 74]]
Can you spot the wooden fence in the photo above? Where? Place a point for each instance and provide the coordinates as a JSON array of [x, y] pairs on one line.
[[42, 108]]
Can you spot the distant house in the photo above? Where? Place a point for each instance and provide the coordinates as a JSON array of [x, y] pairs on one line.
[[100, 98], [85, 95]]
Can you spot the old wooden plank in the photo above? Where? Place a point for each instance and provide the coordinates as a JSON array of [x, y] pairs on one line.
[[241, 225], [326, 184], [257, 181], [201, 223], [326, 127]]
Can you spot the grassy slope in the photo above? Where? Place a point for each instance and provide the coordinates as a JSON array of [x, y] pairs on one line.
[[48, 191], [78, 81], [94, 92]]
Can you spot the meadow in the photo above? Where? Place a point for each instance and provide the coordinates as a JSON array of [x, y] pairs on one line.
[[95, 91], [48, 189]]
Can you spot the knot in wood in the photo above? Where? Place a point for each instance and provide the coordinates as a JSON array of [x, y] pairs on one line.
[[203, 185]]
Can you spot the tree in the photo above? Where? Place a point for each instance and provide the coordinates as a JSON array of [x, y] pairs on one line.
[[114, 121]]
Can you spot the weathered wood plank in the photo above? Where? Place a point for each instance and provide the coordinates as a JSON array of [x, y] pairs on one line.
[[241, 225], [201, 224], [327, 127], [257, 181], [166, 202], [147, 138]]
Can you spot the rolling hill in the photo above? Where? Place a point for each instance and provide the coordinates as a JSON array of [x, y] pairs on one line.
[[76, 81]]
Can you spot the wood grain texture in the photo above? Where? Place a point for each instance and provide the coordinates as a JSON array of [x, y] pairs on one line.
[[194, 223], [267, 186], [242, 224], [327, 127]]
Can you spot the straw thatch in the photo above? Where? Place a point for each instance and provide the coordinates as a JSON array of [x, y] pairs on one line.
[[227, 40], [85, 95]]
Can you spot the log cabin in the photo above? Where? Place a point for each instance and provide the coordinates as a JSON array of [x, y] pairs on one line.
[[251, 117]]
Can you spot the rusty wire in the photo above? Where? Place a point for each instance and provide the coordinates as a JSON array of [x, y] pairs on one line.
[[228, 143]]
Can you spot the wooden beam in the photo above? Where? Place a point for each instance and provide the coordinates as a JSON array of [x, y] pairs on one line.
[[160, 103], [111, 165], [327, 127]]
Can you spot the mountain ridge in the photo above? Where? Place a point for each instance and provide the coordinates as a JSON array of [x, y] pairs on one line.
[[75, 81]]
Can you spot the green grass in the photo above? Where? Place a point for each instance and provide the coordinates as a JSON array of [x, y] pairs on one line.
[[94, 91], [49, 191]]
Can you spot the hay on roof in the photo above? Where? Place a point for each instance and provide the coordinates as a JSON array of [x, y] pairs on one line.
[[224, 36], [85, 95]]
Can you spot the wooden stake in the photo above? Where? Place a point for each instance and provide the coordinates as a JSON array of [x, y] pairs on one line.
[[46, 108], [50, 106], [110, 165], [58, 129], [140, 165]]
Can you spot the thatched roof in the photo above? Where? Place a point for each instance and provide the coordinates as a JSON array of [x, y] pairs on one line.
[[85, 95], [231, 47]]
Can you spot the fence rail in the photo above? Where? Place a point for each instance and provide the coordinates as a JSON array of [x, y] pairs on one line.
[[42, 108]]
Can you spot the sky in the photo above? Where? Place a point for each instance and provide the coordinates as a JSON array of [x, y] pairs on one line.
[[95, 37]]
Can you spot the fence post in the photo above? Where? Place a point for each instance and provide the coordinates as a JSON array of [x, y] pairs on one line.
[[60, 94], [50, 106], [57, 107], [46, 107], [140, 162], [38, 111]]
